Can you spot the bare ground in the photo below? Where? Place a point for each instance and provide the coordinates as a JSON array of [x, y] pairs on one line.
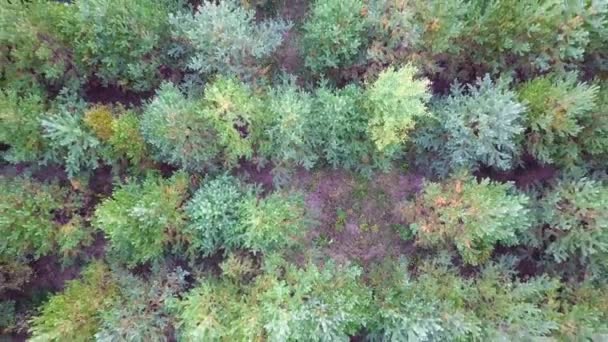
[[529, 174], [356, 219], [288, 57]]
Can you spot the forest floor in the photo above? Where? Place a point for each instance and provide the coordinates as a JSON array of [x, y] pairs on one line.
[[354, 219]]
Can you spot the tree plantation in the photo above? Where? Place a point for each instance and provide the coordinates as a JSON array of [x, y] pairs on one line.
[[303, 170]]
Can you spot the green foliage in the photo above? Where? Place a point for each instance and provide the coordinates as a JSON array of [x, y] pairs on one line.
[[333, 34], [441, 305], [141, 218], [69, 139], [395, 100], [50, 42], [429, 34], [289, 112], [28, 224], [350, 128], [341, 217], [391, 31], [273, 223], [316, 304], [215, 213], [215, 311], [441, 25], [7, 315], [225, 38], [177, 130], [100, 119], [287, 133], [585, 312], [34, 49], [464, 39], [71, 236], [71, 143], [15, 276], [349, 87], [526, 31], [140, 313], [126, 140], [474, 216], [596, 57], [111, 305], [202, 134], [479, 124], [224, 214], [592, 137], [309, 304], [339, 129], [20, 126], [118, 130], [238, 267], [235, 113], [559, 106], [577, 218], [120, 42], [74, 314]]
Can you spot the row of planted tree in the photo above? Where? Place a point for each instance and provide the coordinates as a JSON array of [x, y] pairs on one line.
[[177, 103]]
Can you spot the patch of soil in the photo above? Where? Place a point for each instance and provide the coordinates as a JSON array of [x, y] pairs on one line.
[[356, 219], [194, 3], [294, 10], [202, 266], [95, 92], [530, 173], [258, 175], [49, 275], [42, 174], [97, 249], [400, 186], [51, 173], [287, 56], [102, 180], [528, 268], [12, 170], [166, 170], [530, 262], [100, 186]]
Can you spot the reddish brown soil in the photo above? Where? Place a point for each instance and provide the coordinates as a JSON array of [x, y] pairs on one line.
[[287, 57], [529, 174], [166, 170], [8, 170], [13, 338], [100, 183], [42, 174], [530, 262], [194, 3], [49, 275], [51, 173], [355, 218], [257, 175], [294, 10], [95, 92]]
